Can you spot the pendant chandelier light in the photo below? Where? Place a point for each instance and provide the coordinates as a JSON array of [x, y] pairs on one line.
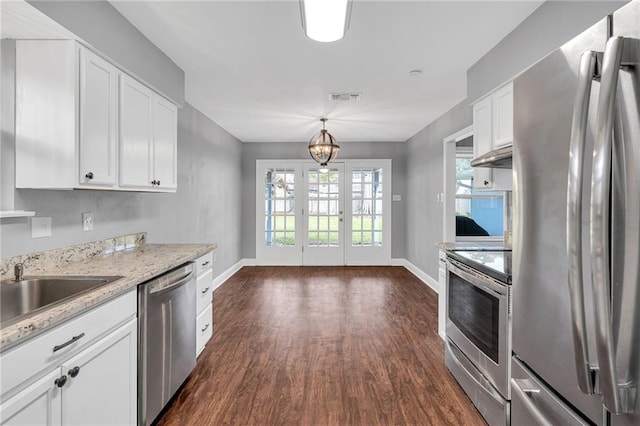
[[323, 147]]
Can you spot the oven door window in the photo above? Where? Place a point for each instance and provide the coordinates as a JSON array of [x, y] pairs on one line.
[[475, 313]]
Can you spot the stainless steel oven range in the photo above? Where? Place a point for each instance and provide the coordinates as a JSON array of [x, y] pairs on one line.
[[478, 346]]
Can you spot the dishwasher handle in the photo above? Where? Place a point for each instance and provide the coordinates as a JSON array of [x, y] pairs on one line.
[[172, 280]]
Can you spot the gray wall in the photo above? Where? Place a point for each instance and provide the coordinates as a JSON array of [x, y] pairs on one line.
[[359, 150], [424, 182], [100, 25], [546, 29], [206, 207]]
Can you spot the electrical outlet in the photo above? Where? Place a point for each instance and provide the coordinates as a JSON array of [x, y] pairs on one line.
[[87, 221], [40, 227]]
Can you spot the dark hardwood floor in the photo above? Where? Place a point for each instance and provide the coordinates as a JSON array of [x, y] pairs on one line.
[[323, 346]]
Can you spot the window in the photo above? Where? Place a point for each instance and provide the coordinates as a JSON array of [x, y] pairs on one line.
[[477, 212], [366, 207], [279, 207]]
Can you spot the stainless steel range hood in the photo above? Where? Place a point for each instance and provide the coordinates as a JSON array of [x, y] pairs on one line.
[[498, 158]]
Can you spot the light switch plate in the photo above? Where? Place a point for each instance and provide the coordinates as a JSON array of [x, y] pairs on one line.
[[87, 221], [40, 227]]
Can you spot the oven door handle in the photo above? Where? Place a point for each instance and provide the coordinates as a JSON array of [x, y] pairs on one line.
[[477, 280]]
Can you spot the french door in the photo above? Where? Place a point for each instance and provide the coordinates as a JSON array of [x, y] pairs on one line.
[[323, 215], [337, 215]]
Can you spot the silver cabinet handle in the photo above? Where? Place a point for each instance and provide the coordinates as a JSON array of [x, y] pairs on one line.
[[600, 215], [68, 342], [206, 263], [531, 407], [204, 291], [205, 328], [579, 122]]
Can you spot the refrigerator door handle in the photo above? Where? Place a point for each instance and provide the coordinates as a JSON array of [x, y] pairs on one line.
[[600, 222], [586, 74], [525, 396]]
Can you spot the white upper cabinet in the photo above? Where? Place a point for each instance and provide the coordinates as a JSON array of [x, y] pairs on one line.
[[165, 143], [502, 112], [136, 134], [482, 142], [98, 120], [46, 78], [148, 138], [493, 128], [81, 122]]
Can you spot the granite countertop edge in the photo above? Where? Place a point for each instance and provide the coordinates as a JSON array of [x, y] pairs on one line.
[[135, 265]]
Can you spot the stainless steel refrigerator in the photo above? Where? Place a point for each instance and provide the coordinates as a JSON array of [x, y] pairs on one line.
[[576, 240]]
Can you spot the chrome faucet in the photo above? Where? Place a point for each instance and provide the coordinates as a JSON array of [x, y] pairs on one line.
[[18, 270]]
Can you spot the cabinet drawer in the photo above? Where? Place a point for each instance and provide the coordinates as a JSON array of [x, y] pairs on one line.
[[204, 330], [25, 361], [205, 290], [204, 263]]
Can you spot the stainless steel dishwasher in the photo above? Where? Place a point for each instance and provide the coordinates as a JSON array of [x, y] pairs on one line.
[[166, 338]]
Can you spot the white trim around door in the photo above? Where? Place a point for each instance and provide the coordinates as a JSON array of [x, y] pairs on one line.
[[305, 216]]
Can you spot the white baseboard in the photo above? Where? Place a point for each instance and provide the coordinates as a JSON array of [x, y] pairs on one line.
[[217, 281], [422, 276]]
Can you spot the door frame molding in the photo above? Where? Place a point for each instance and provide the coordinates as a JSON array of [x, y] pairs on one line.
[[294, 258], [448, 197]]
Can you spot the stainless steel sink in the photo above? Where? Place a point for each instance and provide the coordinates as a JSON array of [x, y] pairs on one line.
[[20, 299]]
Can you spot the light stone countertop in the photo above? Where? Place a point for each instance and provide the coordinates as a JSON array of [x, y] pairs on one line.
[[136, 265], [462, 245]]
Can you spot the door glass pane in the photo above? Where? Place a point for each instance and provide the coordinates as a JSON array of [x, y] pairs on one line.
[[324, 208], [366, 207], [279, 212]]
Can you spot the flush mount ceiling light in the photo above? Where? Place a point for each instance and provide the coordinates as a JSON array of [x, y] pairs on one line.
[[325, 20], [323, 147]]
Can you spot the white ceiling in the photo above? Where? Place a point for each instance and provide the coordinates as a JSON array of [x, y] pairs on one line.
[[251, 69]]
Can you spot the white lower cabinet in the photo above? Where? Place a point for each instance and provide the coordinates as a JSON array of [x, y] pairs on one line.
[[442, 294], [102, 381], [204, 307], [39, 404], [92, 383]]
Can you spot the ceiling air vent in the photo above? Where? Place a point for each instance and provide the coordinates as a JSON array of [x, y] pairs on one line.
[[345, 97]]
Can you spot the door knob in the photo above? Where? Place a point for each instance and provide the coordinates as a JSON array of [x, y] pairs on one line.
[[61, 381], [74, 371]]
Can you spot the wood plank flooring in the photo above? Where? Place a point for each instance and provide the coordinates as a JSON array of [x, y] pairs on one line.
[[323, 346]]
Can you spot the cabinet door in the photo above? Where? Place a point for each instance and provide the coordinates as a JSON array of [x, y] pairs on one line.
[[38, 404], [482, 142], [46, 84], [136, 134], [98, 121], [102, 381], [502, 111], [165, 143]]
